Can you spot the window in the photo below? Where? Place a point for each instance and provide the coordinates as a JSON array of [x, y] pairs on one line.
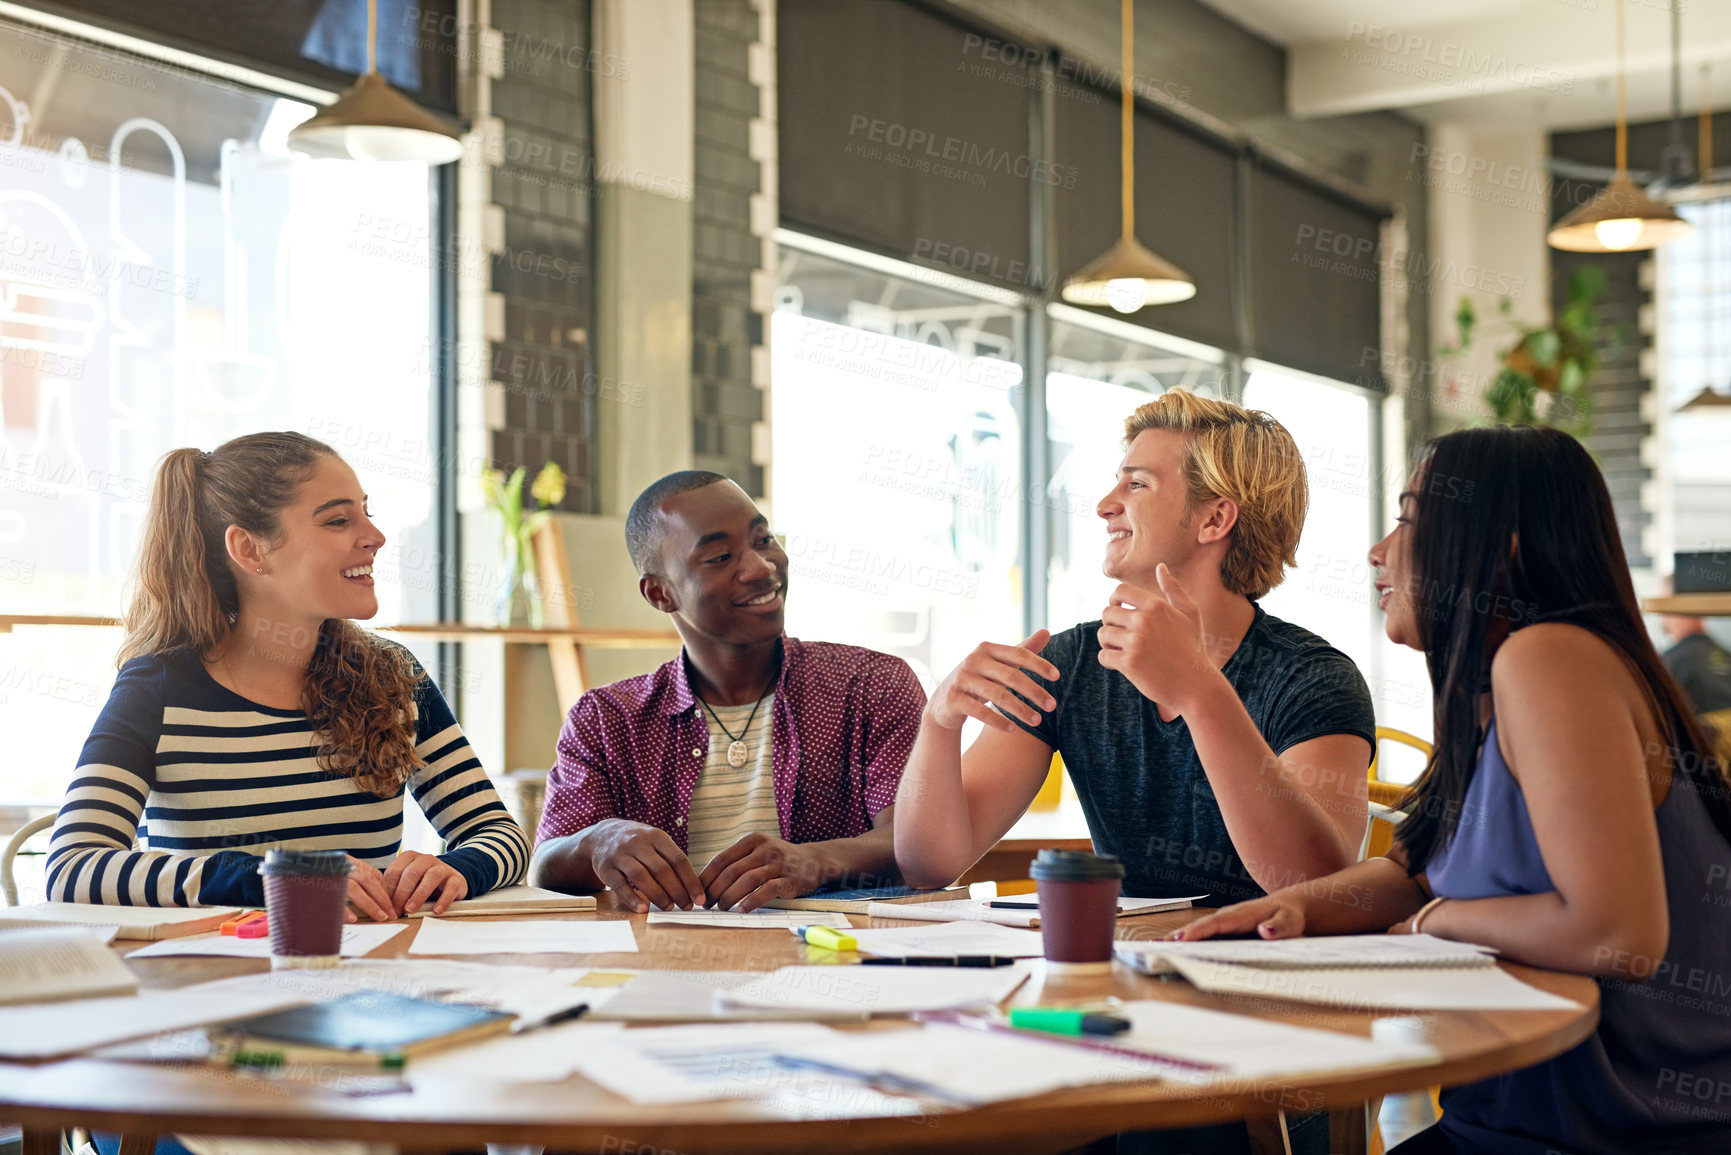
[[1097, 372], [897, 449], [1696, 346], [1331, 592], [169, 276]]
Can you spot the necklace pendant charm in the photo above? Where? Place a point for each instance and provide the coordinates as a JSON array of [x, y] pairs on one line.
[[738, 753]]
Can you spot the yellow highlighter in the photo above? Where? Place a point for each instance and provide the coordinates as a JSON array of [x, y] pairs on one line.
[[827, 937]]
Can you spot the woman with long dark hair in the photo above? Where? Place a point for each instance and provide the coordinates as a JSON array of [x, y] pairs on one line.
[[1572, 814], [251, 712]]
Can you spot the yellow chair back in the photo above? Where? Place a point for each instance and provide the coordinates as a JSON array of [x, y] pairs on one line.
[[1379, 836]]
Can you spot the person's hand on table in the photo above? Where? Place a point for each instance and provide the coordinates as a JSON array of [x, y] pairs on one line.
[[758, 868], [643, 866], [1263, 917], [415, 877], [986, 679], [367, 893]]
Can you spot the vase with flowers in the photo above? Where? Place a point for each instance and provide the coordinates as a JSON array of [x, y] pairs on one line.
[[519, 594]]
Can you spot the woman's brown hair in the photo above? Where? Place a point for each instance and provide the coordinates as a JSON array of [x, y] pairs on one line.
[[359, 690]]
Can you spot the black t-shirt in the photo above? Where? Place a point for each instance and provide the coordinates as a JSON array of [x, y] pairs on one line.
[[1141, 784], [1703, 668]]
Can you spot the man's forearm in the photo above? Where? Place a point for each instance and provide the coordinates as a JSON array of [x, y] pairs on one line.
[[867, 859], [933, 829], [565, 864], [1280, 832]]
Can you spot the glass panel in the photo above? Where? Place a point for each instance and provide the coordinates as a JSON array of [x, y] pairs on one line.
[[170, 276], [1094, 381], [897, 434], [1331, 591], [1697, 354]]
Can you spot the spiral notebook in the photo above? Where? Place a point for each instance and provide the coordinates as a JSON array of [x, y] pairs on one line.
[[1326, 952]]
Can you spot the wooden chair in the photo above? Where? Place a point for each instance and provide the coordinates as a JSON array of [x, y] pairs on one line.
[[1386, 798], [9, 885]]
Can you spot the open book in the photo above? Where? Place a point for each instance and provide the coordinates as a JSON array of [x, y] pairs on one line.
[[53, 963], [1330, 952], [514, 900], [135, 922]]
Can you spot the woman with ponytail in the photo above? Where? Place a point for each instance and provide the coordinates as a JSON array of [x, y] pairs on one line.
[[251, 712], [1572, 816]]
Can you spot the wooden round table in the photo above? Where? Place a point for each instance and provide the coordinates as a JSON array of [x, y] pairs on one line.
[[142, 1100]]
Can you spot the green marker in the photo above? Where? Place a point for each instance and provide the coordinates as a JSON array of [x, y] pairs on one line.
[[1061, 1022]]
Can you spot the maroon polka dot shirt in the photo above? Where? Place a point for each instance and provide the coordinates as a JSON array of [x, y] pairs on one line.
[[842, 726]]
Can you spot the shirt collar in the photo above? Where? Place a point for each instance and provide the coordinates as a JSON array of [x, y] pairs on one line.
[[685, 698]]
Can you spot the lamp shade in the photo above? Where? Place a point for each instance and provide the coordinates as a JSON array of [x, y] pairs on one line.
[[1620, 219], [373, 121], [1705, 400], [1127, 276]]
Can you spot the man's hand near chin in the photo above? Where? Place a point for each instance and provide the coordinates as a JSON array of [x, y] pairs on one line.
[[1155, 639], [758, 868]]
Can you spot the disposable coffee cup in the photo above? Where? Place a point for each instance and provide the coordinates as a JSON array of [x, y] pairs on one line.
[[305, 893], [1078, 893]]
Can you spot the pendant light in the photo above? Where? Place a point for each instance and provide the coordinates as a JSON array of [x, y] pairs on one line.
[[1127, 276], [373, 121], [1621, 218], [1709, 398]]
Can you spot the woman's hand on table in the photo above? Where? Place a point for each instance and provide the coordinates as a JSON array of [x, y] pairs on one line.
[[367, 893], [415, 876], [1263, 917]]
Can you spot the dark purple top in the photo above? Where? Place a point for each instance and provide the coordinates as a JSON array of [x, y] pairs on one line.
[[1656, 1075]]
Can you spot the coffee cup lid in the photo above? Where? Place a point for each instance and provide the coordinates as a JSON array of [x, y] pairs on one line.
[[290, 861], [1075, 866]]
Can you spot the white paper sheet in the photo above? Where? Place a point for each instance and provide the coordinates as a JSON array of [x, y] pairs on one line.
[[690, 997], [524, 936], [970, 1067], [659, 1065], [978, 910], [131, 922], [879, 990], [947, 939], [50, 1029], [1344, 950], [757, 919], [1415, 988], [358, 939], [546, 1055], [1244, 1047]]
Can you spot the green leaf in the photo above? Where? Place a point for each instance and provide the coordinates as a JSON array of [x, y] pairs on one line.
[[1544, 345], [1466, 319], [1571, 377]]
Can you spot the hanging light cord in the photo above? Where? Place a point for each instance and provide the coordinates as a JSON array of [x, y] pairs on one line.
[[372, 35], [1127, 141], [1704, 157], [1622, 121]]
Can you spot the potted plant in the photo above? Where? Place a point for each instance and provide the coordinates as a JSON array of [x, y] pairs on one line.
[[1542, 377], [519, 594]]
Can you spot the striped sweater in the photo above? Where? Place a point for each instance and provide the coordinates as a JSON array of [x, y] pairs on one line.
[[218, 780]]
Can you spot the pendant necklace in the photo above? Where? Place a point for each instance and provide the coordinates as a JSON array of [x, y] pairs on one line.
[[738, 753]]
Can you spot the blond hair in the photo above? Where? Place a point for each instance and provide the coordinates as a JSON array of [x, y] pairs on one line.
[[358, 690], [1248, 457]]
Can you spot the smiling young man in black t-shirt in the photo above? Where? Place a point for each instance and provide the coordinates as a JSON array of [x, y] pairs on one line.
[[1215, 749]]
